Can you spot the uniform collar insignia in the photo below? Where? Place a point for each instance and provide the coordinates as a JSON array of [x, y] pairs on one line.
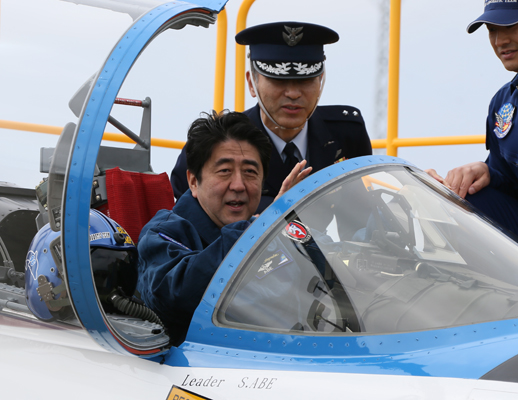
[[504, 120], [291, 38]]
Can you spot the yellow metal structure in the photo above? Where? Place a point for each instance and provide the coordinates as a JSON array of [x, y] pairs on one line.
[[221, 59], [369, 181], [178, 144], [112, 137], [391, 143], [428, 141], [393, 78], [239, 100]]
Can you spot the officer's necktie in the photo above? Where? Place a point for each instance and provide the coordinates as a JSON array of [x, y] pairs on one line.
[[289, 151]]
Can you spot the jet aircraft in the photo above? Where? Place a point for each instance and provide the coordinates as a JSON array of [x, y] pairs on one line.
[[367, 280]]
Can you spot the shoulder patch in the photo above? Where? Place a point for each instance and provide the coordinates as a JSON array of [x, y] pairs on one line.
[[504, 120]]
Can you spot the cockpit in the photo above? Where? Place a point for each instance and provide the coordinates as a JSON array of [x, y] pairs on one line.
[[379, 250]]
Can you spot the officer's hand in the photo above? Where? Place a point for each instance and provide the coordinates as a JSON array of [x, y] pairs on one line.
[[469, 178], [433, 173], [297, 174]]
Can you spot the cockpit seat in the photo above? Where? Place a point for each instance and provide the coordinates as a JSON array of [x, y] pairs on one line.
[[134, 198]]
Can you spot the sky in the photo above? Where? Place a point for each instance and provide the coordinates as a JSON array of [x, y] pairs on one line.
[[49, 48]]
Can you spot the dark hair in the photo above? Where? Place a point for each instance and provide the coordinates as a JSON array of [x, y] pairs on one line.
[[206, 132]]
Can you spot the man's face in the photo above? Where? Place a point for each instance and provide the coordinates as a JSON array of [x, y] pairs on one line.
[[504, 40], [231, 182], [289, 101]]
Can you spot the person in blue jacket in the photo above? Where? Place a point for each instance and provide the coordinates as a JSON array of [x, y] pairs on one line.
[[180, 249], [287, 75], [492, 186]]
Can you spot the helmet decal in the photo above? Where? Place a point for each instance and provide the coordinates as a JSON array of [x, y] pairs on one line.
[[31, 263], [127, 238], [99, 235]]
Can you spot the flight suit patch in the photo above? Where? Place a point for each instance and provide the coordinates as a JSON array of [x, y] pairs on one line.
[[504, 121]]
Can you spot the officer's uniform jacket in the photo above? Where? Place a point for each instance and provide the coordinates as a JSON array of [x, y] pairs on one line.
[[334, 133], [179, 252]]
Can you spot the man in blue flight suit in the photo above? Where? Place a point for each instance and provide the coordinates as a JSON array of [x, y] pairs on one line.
[[180, 249], [492, 186], [287, 74]]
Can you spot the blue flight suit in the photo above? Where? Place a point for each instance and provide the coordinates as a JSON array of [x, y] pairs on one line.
[[334, 133], [499, 200], [179, 252]]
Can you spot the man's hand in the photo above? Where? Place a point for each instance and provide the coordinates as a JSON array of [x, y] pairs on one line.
[[297, 174], [469, 178], [433, 173]]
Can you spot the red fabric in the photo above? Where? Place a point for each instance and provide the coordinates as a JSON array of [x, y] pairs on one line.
[[134, 198]]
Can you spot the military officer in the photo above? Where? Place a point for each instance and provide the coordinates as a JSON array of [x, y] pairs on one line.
[[286, 76]]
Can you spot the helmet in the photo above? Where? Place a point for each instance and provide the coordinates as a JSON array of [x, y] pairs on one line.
[[114, 266], [114, 258]]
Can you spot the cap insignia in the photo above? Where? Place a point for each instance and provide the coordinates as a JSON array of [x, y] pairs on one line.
[[303, 69], [279, 69], [284, 68], [504, 118], [291, 38]]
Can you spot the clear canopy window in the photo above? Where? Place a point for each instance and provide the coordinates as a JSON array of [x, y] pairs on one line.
[[382, 250]]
